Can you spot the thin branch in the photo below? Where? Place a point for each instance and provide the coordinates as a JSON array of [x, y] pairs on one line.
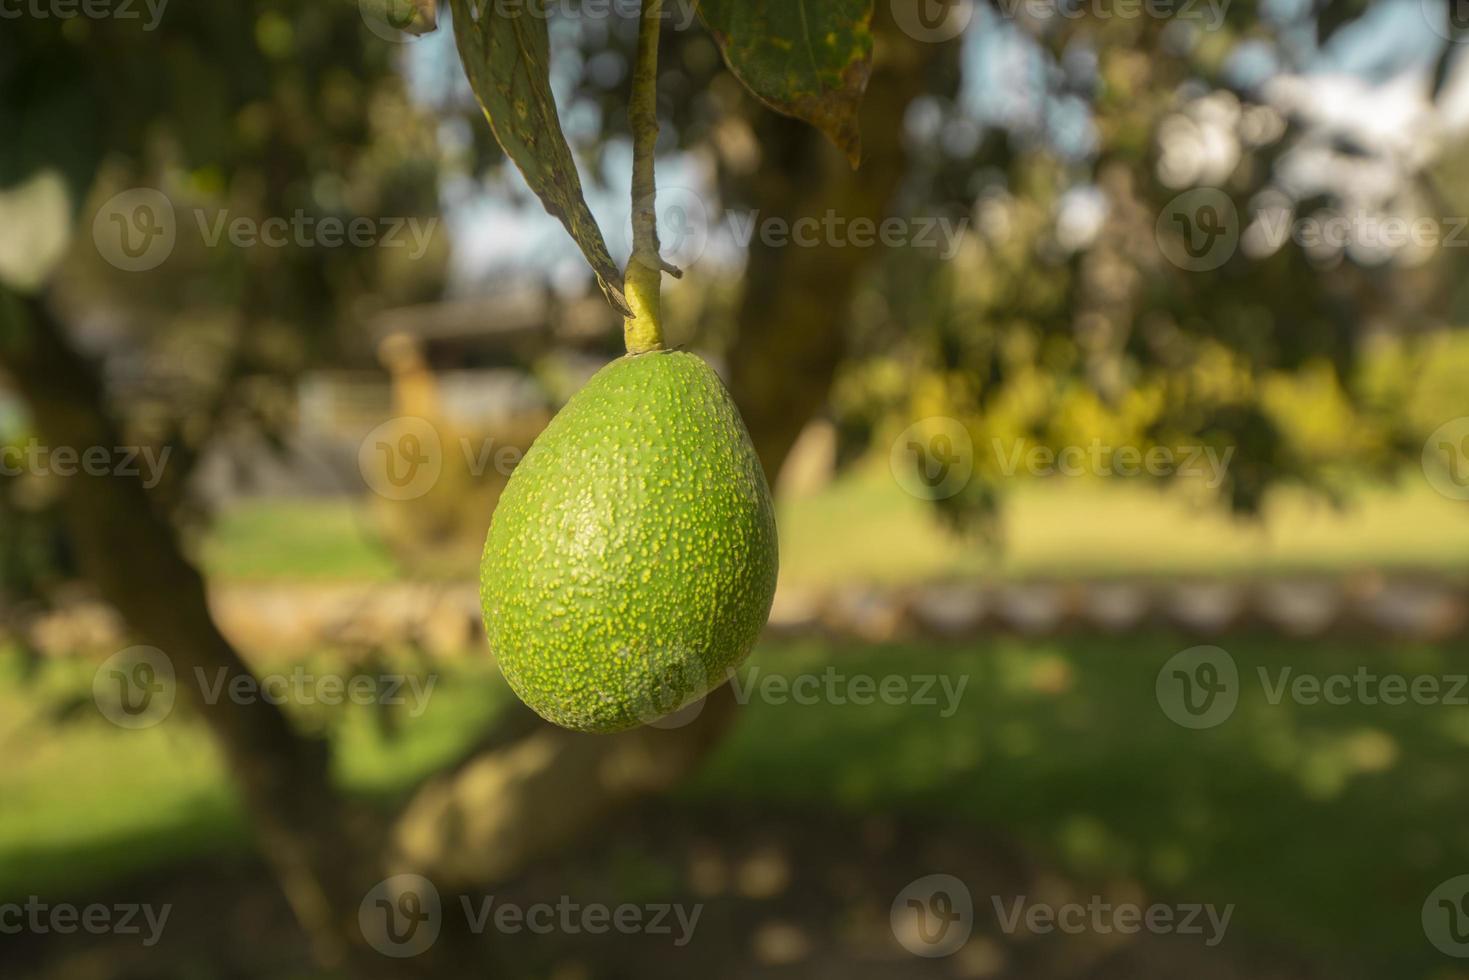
[[643, 331]]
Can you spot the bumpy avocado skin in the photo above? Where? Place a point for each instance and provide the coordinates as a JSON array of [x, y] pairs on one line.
[[632, 559]]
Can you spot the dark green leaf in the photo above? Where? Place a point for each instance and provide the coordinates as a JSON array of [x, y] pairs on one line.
[[806, 58], [506, 53]]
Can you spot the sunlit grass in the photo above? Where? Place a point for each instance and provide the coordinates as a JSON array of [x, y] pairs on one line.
[[297, 540], [865, 529]]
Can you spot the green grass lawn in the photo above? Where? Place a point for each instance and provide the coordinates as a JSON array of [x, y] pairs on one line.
[[1327, 826], [865, 529], [84, 801], [297, 540]]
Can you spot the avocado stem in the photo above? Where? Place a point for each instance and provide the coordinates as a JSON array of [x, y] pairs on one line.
[[643, 331]]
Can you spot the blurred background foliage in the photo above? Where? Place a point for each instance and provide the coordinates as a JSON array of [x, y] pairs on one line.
[[1057, 321]]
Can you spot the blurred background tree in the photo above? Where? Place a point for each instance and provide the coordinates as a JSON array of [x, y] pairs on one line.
[[1065, 313]]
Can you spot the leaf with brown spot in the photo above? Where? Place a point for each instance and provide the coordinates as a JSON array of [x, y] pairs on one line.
[[806, 58], [506, 49]]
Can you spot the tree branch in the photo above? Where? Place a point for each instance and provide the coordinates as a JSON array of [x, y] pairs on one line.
[[643, 331]]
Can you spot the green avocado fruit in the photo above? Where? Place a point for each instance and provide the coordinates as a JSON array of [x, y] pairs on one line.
[[632, 558]]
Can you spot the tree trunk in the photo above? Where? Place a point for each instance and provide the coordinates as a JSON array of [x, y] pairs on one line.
[[133, 556], [797, 301]]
